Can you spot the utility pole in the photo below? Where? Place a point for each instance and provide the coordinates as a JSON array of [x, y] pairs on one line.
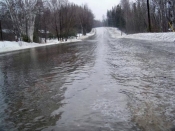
[[149, 19]]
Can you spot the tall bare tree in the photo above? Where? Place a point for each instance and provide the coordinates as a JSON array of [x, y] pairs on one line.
[[36, 18], [22, 15], [86, 18], [149, 19]]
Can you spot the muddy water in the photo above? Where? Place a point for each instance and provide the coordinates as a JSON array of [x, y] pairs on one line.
[[100, 84]]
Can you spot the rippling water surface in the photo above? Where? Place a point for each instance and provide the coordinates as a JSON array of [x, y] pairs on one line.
[[100, 84]]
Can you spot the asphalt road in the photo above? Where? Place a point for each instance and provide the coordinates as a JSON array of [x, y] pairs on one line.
[[99, 84]]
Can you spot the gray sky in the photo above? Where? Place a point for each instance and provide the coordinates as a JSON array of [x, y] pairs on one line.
[[98, 7]]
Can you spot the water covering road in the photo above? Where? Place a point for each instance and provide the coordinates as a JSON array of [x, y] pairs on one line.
[[100, 84]]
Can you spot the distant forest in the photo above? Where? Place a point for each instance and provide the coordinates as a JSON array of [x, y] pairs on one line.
[[31, 20], [132, 17]]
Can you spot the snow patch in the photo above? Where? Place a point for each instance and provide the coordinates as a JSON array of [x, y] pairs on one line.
[[166, 36], [7, 46]]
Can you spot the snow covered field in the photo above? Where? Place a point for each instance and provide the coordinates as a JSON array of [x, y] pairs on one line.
[[167, 37], [7, 46]]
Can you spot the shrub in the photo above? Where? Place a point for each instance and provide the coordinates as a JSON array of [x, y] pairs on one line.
[[25, 38]]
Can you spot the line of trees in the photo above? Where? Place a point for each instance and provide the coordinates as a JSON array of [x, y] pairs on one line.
[[132, 17], [35, 19]]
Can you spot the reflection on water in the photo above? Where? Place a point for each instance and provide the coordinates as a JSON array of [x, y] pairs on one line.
[[32, 83]]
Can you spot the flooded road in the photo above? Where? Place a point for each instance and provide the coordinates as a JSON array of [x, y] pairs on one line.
[[100, 84]]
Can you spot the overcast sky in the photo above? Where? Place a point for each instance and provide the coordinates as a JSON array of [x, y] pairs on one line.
[[98, 7]]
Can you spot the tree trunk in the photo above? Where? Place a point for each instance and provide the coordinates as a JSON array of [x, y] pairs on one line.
[[149, 19], [60, 24], [1, 31], [45, 35], [31, 24], [27, 31], [57, 32], [84, 31]]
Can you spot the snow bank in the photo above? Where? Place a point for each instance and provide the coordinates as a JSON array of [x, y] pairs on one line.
[[88, 34], [167, 37], [115, 33], [7, 46]]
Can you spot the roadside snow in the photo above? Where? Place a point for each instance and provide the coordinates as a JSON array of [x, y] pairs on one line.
[[115, 33], [167, 37], [7, 46]]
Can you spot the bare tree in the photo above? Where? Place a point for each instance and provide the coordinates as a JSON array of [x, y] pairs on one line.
[[45, 22], [58, 17], [1, 38], [149, 19], [56, 21], [86, 18], [137, 20], [22, 15]]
